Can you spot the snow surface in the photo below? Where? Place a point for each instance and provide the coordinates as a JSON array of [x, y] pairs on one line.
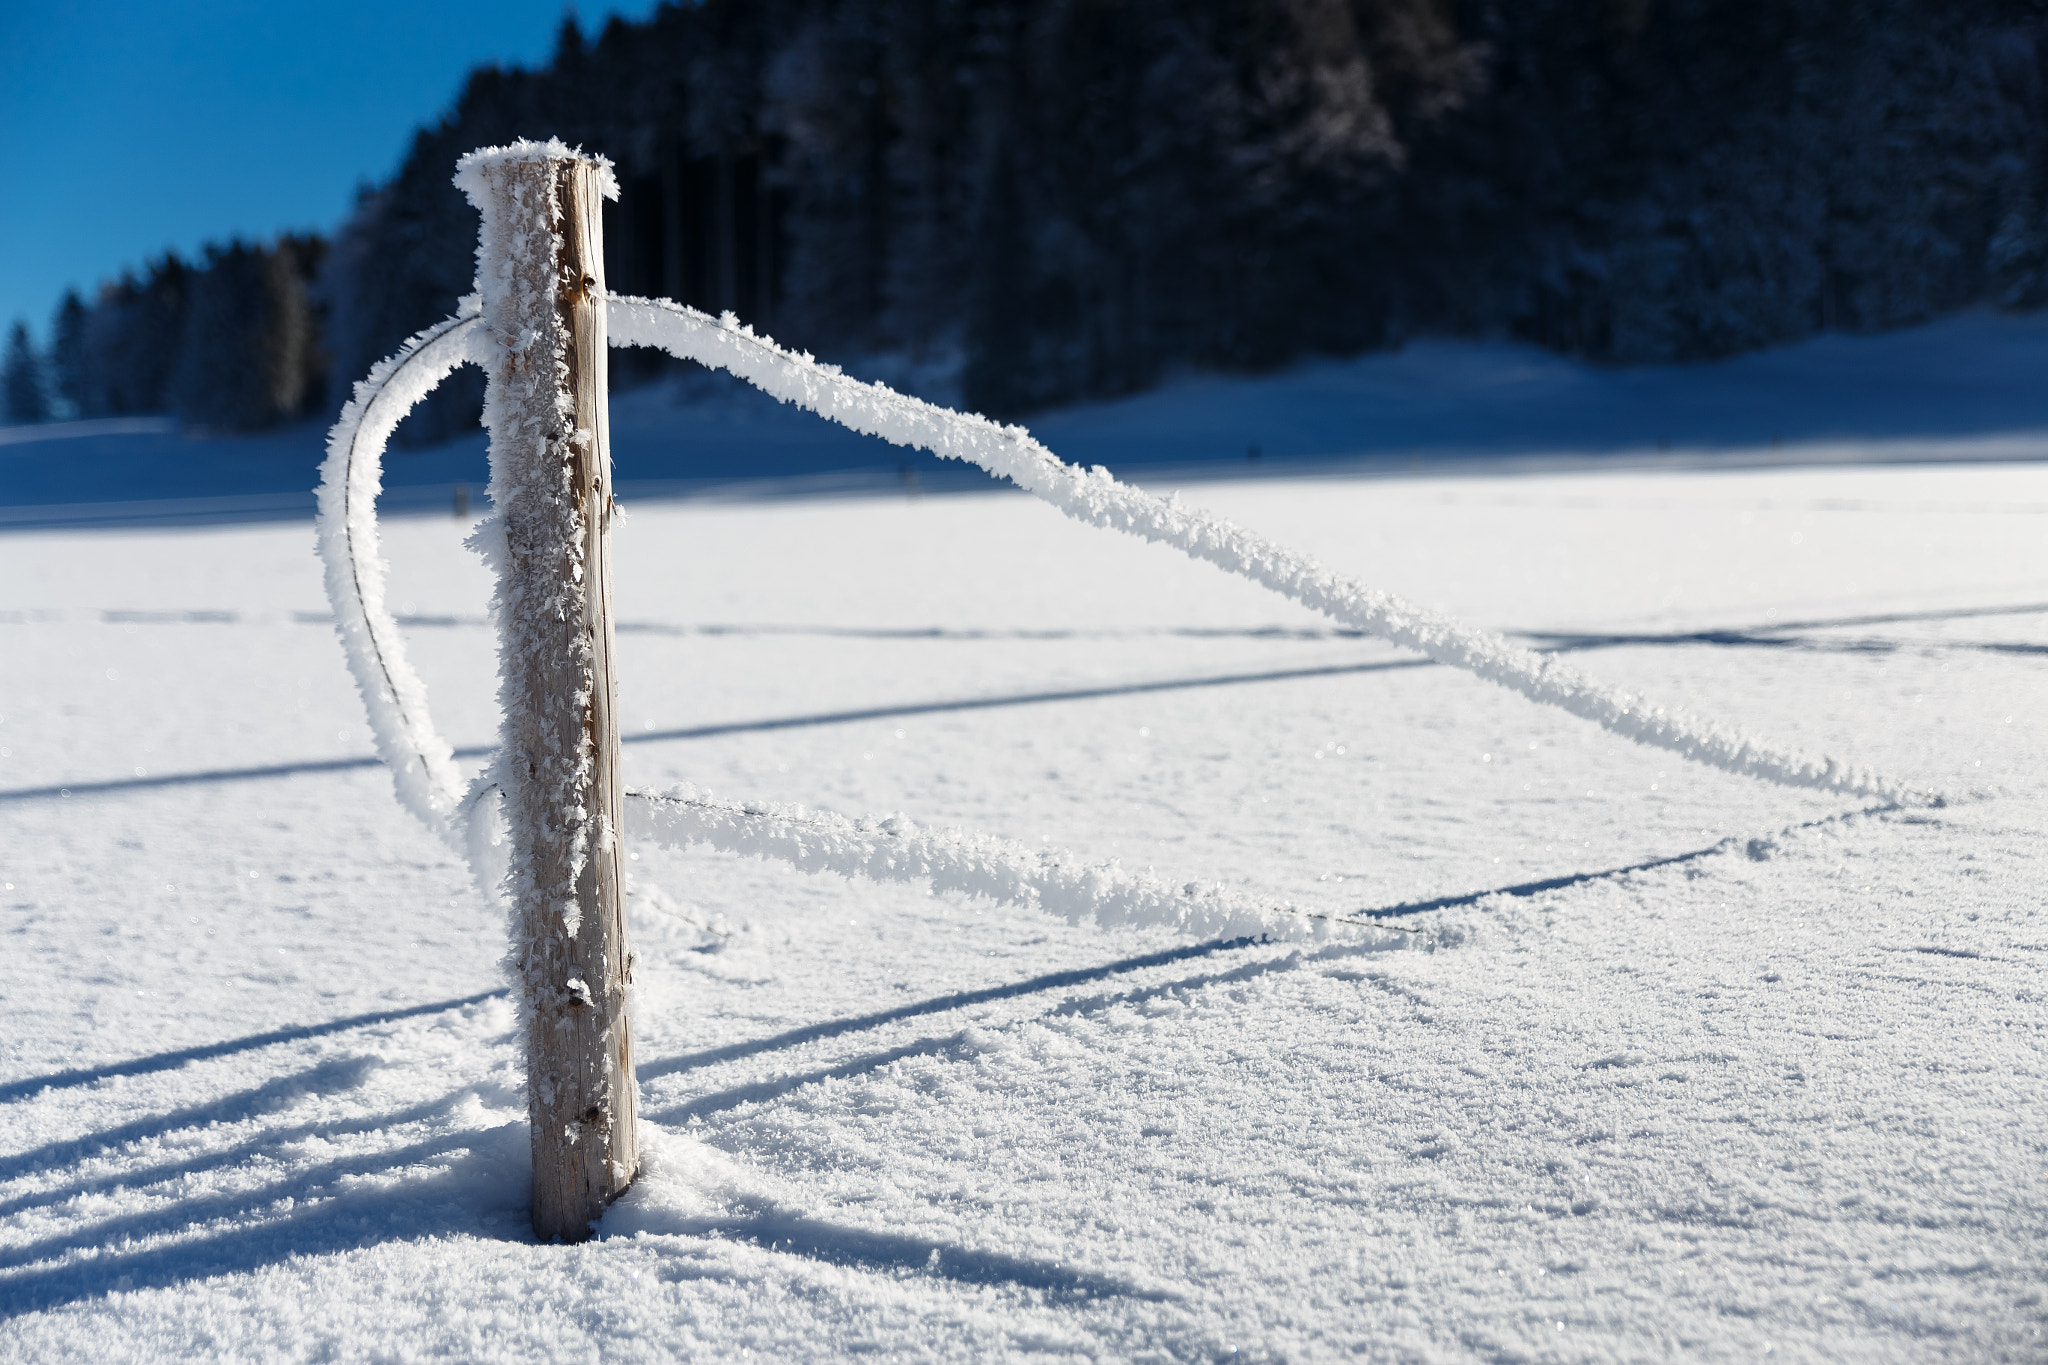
[[1778, 1088]]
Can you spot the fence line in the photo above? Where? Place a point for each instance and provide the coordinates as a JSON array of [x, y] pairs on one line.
[[428, 783], [894, 849], [1095, 497]]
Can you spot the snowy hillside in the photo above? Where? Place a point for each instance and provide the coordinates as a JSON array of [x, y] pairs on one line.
[[1660, 1062], [1966, 387]]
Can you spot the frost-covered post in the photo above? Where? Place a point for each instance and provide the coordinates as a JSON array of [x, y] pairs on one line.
[[540, 272]]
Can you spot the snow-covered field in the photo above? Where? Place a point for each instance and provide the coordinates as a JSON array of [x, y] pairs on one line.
[[1964, 387], [1673, 1064]]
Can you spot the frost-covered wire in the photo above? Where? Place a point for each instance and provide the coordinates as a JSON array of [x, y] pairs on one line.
[[422, 764], [1094, 497], [971, 864]]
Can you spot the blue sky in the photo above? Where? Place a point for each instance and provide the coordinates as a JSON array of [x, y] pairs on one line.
[[147, 126]]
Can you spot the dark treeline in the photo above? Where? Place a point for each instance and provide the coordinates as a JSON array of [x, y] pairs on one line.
[[228, 342], [1072, 195], [1064, 198]]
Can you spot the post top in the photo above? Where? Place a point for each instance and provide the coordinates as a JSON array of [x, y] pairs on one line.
[[472, 172]]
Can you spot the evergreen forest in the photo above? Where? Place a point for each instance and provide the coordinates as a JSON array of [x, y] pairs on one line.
[[1027, 202]]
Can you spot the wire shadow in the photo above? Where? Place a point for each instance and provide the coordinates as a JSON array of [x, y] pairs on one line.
[[971, 634], [232, 1205], [1783, 634], [1536, 887], [1020, 699], [324, 1079], [1771, 633], [1558, 642], [427, 621], [936, 1005], [66, 790], [332, 765], [859, 1249], [1737, 639], [268, 1143], [1893, 618], [165, 1061], [1769, 637], [1759, 849], [271, 1223], [1545, 642], [776, 630], [757, 1091]]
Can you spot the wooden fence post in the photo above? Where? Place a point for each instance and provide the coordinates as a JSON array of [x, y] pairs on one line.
[[541, 275]]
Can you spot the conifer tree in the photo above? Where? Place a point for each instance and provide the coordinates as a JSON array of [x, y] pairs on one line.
[[243, 357], [1071, 196], [132, 339], [21, 378], [69, 373]]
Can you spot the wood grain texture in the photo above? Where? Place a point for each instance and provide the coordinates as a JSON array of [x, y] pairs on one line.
[[582, 1094]]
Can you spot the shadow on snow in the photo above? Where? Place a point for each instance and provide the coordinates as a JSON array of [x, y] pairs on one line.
[[165, 1061], [937, 1005], [952, 1045], [67, 790], [1773, 636], [340, 1204]]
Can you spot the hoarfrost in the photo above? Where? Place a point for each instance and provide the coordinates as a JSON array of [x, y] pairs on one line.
[[511, 324], [1095, 497], [892, 848]]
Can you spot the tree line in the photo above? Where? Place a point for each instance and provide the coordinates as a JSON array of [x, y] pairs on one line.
[[1032, 201], [230, 341]]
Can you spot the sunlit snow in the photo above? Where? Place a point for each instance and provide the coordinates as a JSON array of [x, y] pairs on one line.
[[1676, 1062]]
